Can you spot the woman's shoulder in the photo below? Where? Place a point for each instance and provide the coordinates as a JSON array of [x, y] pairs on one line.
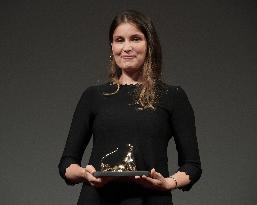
[[169, 88], [175, 97], [97, 87]]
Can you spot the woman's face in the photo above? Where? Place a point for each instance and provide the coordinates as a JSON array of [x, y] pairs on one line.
[[129, 47]]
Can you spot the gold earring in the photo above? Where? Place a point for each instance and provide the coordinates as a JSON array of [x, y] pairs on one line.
[[111, 56]]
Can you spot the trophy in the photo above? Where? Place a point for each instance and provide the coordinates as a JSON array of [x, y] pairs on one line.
[[119, 162]]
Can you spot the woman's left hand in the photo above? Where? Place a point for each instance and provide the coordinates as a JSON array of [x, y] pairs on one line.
[[156, 181]]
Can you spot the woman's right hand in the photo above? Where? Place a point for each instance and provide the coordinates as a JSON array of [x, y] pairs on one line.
[[77, 174], [96, 182]]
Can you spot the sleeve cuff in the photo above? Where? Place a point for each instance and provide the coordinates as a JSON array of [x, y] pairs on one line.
[[63, 165], [194, 172]]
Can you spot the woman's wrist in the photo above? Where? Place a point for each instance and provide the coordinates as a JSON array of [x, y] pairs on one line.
[[175, 180], [75, 173], [172, 183]]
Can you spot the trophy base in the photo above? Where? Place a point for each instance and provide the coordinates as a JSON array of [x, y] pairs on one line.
[[120, 174]]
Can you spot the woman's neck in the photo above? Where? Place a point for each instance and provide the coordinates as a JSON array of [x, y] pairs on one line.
[[134, 78]]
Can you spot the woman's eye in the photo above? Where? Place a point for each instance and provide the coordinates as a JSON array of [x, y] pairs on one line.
[[119, 40], [136, 39]]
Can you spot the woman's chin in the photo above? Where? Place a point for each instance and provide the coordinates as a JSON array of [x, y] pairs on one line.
[[129, 66]]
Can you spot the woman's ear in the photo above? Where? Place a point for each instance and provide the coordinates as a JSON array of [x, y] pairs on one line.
[[110, 46]]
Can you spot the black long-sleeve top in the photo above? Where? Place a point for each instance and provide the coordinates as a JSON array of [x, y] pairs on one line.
[[114, 120]]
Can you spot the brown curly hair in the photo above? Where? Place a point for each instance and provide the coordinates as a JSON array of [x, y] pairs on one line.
[[146, 95]]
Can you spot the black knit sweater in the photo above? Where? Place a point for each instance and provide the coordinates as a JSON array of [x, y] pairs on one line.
[[114, 120]]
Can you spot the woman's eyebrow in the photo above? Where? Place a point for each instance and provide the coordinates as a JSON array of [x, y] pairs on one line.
[[137, 34]]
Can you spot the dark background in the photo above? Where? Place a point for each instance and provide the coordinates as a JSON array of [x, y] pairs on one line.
[[52, 50]]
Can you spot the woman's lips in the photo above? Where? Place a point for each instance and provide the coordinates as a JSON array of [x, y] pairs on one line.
[[128, 57]]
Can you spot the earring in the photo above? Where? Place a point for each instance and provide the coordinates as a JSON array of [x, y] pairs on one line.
[[110, 57]]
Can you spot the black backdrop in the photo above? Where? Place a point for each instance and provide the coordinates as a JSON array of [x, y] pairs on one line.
[[52, 50]]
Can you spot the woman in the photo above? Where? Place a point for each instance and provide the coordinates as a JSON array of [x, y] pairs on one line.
[[136, 108]]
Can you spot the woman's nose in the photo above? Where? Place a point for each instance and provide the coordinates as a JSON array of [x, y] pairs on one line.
[[127, 46]]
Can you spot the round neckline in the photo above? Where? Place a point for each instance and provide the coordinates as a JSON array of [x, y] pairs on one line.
[[136, 84], [128, 85]]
